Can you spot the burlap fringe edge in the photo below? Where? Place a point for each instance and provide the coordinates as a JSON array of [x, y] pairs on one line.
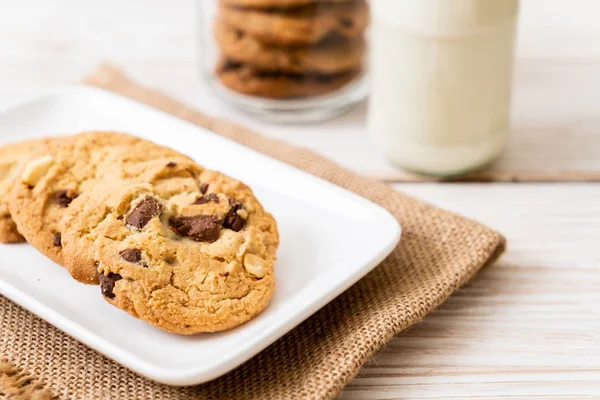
[[18, 385]]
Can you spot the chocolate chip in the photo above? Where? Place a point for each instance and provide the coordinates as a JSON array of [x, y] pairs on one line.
[[203, 188], [57, 239], [171, 164], [226, 273], [148, 208], [230, 65], [232, 220], [131, 255], [347, 23], [107, 283], [208, 198], [64, 197], [201, 228]]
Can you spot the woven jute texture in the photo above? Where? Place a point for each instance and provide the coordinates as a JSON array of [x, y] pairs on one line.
[[438, 253]]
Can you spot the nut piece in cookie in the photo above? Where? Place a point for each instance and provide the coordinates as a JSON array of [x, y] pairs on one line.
[[255, 265], [35, 170], [13, 158]]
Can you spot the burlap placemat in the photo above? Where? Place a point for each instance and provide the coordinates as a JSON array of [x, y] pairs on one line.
[[439, 252]]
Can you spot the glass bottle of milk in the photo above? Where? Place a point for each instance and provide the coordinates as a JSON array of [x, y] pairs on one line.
[[441, 74]]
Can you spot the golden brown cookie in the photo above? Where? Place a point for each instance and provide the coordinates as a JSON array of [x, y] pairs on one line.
[[277, 3], [279, 85], [168, 176], [303, 25], [63, 170], [328, 57], [13, 158], [187, 257]]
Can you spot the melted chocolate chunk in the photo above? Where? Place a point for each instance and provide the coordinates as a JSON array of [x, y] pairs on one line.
[[64, 197], [201, 228], [107, 283], [208, 198], [203, 188], [148, 208], [171, 164], [232, 220], [131, 255], [57, 239]]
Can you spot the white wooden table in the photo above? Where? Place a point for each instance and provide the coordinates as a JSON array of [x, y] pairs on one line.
[[530, 325]]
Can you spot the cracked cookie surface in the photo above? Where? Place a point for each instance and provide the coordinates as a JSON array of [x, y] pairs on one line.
[[188, 255], [65, 168]]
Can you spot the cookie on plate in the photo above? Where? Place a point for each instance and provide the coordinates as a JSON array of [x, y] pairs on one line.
[[303, 25], [64, 169], [13, 158], [328, 57], [279, 84], [184, 259], [168, 177]]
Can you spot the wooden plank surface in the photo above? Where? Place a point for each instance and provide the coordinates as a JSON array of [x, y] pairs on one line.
[[527, 327]]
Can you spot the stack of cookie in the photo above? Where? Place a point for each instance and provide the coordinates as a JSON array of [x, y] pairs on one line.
[[290, 48], [183, 248]]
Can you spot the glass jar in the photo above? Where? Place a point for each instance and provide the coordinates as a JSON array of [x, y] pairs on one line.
[[285, 60], [441, 76]]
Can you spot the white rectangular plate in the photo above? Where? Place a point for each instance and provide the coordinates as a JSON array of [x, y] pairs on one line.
[[330, 238]]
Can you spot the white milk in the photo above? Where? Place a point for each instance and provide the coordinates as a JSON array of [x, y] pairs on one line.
[[441, 81]]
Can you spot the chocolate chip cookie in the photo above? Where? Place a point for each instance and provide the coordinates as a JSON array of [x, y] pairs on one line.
[[328, 57], [279, 84], [301, 25], [64, 169], [13, 158], [167, 178], [185, 257]]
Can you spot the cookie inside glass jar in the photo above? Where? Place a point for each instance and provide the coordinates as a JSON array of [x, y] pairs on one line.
[[289, 49]]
